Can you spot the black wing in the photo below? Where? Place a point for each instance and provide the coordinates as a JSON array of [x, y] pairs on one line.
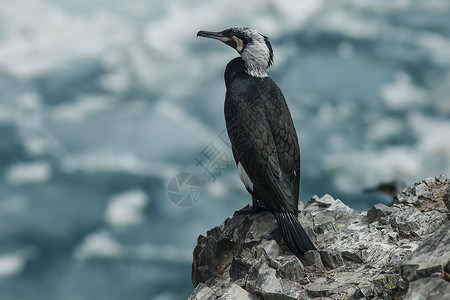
[[264, 140]]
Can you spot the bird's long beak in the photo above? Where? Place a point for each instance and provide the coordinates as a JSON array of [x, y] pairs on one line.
[[213, 35], [230, 41]]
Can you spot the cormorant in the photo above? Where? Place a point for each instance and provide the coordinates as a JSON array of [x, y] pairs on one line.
[[263, 138], [391, 188]]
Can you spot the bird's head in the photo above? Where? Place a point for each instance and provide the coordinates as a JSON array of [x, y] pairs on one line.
[[254, 48]]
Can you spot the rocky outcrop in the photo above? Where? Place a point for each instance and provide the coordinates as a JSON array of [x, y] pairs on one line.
[[396, 252]]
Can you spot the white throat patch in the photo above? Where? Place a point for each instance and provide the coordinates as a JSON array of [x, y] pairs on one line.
[[239, 44], [256, 61], [256, 55]]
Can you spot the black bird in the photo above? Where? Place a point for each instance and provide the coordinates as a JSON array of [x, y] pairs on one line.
[[261, 130], [391, 188]]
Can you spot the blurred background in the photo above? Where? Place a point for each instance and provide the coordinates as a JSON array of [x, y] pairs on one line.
[[104, 102]]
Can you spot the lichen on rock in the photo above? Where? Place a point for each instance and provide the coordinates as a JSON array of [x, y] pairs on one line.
[[387, 252]]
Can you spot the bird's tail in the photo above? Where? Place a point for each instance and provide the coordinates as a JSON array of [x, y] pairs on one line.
[[293, 233]]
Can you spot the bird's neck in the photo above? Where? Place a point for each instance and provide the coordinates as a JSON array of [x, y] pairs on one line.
[[255, 70], [235, 66], [238, 66], [256, 62]]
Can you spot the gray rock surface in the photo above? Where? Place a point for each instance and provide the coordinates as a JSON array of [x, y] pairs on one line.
[[401, 251]]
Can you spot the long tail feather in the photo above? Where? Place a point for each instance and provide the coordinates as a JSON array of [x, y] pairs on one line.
[[293, 233]]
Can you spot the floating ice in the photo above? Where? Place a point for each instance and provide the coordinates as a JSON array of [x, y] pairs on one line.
[[433, 137], [101, 244], [127, 208], [436, 44], [29, 173], [125, 163], [359, 168], [103, 162], [42, 38], [351, 25], [402, 93], [98, 244], [384, 129], [12, 263], [81, 108]]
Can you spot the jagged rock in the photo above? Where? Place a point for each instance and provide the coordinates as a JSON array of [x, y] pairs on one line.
[[382, 285], [428, 194], [325, 201], [244, 271], [331, 259], [385, 253], [446, 199], [229, 291], [290, 267], [430, 288], [410, 221], [430, 257], [379, 212]]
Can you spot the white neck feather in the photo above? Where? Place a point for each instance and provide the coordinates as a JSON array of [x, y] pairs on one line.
[[256, 57]]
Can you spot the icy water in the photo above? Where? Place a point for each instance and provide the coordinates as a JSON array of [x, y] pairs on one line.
[[103, 103]]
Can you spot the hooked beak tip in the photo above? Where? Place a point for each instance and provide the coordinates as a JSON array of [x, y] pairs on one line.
[[202, 33], [211, 35]]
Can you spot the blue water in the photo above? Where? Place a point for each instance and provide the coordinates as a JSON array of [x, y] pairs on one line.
[[103, 103]]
